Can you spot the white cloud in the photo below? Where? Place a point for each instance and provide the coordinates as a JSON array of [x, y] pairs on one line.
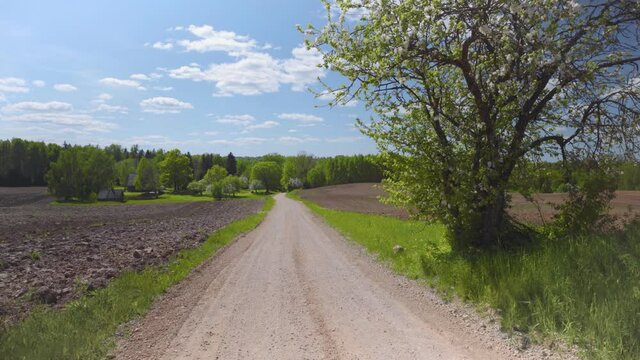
[[164, 105], [242, 141], [302, 70], [157, 141], [190, 72], [209, 39], [113, 108], [292, 130], [163, 88], [51, 106], [240, 120], [85, 121], [105, 97], [304, 118], [292, 140], [141, 77], [39, 83], [109, 81], [162, 45], [252, 72], [344, 139], [65, 87], [54, 113], [13, 85], [264, 125]]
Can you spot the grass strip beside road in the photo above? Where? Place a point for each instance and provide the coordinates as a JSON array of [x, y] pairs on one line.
[[85, 328], [584, 291]]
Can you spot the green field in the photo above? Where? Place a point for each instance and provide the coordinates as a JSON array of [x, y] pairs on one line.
[[584, 290], [85, 328], [136, 198]]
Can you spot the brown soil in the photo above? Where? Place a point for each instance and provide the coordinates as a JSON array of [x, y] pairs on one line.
[[51, 253], [364, 198], [295, 289]]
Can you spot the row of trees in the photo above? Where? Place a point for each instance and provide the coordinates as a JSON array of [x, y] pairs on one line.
[[79, 172], [25, 163], [549, 177]]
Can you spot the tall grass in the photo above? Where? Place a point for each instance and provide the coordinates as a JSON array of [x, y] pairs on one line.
[[85, 328], [584, 290]]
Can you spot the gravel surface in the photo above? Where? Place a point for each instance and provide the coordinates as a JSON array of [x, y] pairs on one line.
[[51, 253], [295, 289]]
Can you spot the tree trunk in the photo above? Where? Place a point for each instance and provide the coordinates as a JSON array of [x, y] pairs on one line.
[[492, 223]]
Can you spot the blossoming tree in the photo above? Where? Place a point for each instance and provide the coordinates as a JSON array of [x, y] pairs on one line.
[[465, 90]]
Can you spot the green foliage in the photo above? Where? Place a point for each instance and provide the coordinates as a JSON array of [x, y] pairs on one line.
[[275, 157], [463, 93], [25, 163], [244, 167], [269, 173], [231, 185], [316, 176], [80, 172], [147, 178], [197, 187], [255, 185], [216, 190], [629, 176], [175, 170], [231, 165], [123, 169], [582, 289], [35, 255], [85, 328], [215, 174], [296, 167], [582, 213]]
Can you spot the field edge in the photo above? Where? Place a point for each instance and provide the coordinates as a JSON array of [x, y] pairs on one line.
[[86, 328]]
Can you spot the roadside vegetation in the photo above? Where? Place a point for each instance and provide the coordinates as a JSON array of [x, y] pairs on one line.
[[583, 290], [85, 328]]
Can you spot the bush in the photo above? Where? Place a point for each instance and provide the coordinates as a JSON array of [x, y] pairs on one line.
[[197, 187], [294, 183], [216, 190], [256, 185]]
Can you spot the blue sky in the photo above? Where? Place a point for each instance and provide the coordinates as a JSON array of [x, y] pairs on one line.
[[201, 76]]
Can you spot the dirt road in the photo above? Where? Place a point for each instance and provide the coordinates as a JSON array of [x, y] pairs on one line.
[[294, 289]]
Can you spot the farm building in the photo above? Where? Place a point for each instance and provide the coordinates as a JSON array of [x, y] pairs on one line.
[[131, 182], [111, 195]]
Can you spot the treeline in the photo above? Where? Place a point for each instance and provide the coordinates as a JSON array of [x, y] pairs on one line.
[[550, 177], [25, 163], [80, 172]]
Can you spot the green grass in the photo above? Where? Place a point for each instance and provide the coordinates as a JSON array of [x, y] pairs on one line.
[[584, 291], [85, 328], [134, 198]]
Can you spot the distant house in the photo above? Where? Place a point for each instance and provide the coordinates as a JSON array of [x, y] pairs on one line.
[[110, 195], [131, 182]]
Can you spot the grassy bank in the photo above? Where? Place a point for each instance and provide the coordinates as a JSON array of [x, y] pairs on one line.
[[584, 290], [136, 198], [85, 328]]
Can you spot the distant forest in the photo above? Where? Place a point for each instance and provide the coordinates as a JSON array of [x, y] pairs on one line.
[[25, 163]]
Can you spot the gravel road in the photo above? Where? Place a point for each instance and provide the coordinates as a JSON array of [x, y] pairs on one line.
[[295, 289]]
